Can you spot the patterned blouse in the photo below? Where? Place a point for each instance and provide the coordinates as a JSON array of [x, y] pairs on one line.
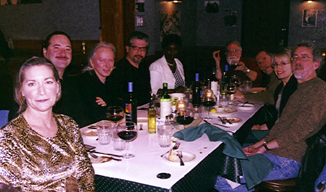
[[179, 82], [31, 162]]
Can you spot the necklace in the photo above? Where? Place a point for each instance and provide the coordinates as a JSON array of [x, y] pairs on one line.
[[170, 64]]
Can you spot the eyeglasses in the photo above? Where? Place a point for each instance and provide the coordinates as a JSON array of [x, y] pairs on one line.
[[233, 51], [279, 65], [136, 48], [303, 58]]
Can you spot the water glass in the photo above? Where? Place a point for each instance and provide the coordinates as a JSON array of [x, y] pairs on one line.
[[247, 85], [164, 133], [104, 132], [118, 144]]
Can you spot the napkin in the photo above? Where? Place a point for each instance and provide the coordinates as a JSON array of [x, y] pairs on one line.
[[256, 167]]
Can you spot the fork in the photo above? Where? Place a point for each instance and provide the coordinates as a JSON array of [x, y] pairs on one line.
[[180, 157]]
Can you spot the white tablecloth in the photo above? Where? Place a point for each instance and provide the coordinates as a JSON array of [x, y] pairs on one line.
[[148, 161]]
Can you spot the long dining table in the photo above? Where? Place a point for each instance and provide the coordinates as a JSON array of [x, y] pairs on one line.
[[140, 173]]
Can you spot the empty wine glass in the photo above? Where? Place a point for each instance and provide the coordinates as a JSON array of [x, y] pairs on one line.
[[127, 131], [247, 85], [208, 100], [115, 114]]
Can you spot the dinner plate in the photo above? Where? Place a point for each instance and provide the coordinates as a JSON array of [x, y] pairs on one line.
[[226, 111], [90, 133], [99, 159], [233, 120], [246, 106], [186, 157]]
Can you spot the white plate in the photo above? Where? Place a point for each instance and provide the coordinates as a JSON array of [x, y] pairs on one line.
[[89, 133], [234, 120], [186, 157], [99, 159], [246, 106]]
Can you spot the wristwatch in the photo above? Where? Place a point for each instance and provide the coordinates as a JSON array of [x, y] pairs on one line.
[[265, 145], [246, 70]]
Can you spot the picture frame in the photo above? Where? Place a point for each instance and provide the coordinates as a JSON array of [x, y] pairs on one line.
[[309, 18], [212, 6]]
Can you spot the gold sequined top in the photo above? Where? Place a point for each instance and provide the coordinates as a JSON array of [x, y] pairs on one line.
[[31, 162]]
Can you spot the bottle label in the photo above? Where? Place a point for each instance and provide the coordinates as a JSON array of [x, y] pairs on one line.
[[165, 109], [128, 111]]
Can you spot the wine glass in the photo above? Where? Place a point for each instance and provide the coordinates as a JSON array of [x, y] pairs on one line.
[[209, 100], [127, 131], [232, 88], [185, 116], [247, 85], [115, 114]]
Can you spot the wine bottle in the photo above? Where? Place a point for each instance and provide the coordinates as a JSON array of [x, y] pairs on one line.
[[131, 105], [165, 102], [151, 116], [225, 81], [196, 92], [214, 83]]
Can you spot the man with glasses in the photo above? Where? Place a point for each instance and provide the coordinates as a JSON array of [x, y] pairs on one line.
[[132, 69], [246, 67], [302, 117]]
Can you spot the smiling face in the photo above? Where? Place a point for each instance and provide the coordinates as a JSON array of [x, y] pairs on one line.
[[39, 88], [59, 52], [264, 62], [303, 64], [171, 52], [136, 51], [103, 62], [233, 53], [283, 69]]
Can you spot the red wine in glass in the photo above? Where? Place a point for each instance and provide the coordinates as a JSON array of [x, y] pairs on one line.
[[184, 120], [209, 103], [127, 135], [115, 118]]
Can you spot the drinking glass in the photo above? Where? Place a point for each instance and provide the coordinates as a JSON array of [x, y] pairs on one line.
[[127, 131], [231, 89], [247, 85], [208, 100], [185, 116], [115, 114]]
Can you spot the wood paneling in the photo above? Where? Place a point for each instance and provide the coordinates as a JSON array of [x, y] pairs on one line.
[[117, 21]]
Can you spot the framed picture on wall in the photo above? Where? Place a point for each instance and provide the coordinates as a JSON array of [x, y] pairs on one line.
[[309, 18]]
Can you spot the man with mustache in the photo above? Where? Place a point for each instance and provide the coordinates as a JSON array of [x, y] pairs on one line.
[[132, 69], [246, 67], [302, 117]]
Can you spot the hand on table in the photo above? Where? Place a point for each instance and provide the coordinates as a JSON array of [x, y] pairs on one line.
[[100, 101], [259, 127], [239, 96], [251, 150]]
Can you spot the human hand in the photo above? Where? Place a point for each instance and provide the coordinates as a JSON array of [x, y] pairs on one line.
[[100, 101], [251, 150], [241, 66], [217, 58], [239, 96], [255, 127]]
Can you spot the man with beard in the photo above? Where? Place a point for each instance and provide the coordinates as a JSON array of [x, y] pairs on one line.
[[132, 69], [302, 117], [245, 68], [57, 48]]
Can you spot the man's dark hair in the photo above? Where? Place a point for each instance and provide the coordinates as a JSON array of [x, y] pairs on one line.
[[137, 35], [171, 39], [46, 42]]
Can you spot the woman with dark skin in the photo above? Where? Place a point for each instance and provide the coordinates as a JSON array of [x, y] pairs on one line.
[[168, 69]]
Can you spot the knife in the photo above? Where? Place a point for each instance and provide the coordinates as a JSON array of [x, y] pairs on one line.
[[175, 147], [222, 120], [216, 124], [93, 151]]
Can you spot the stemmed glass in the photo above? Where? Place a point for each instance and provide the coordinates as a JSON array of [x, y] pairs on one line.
[[115, 114], [208, 100], [185, 116], [127, 131]]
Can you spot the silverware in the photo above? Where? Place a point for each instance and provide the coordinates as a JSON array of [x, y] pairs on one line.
[[225, 119], [175, 147], [244, 103], [216, 124], [92, 127], [95, 157], [109, 154], [179, 154], [222, 120]]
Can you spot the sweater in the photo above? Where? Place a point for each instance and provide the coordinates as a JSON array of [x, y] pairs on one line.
[[303, 116], [265, 96]]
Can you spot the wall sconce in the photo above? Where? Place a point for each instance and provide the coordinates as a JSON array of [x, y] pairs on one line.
[[176, 1], [307, 1]]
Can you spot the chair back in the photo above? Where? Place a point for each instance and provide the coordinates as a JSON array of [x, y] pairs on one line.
[[3, 117]]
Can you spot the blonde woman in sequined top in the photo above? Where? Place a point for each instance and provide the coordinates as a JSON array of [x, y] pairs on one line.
[[40, 150]]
